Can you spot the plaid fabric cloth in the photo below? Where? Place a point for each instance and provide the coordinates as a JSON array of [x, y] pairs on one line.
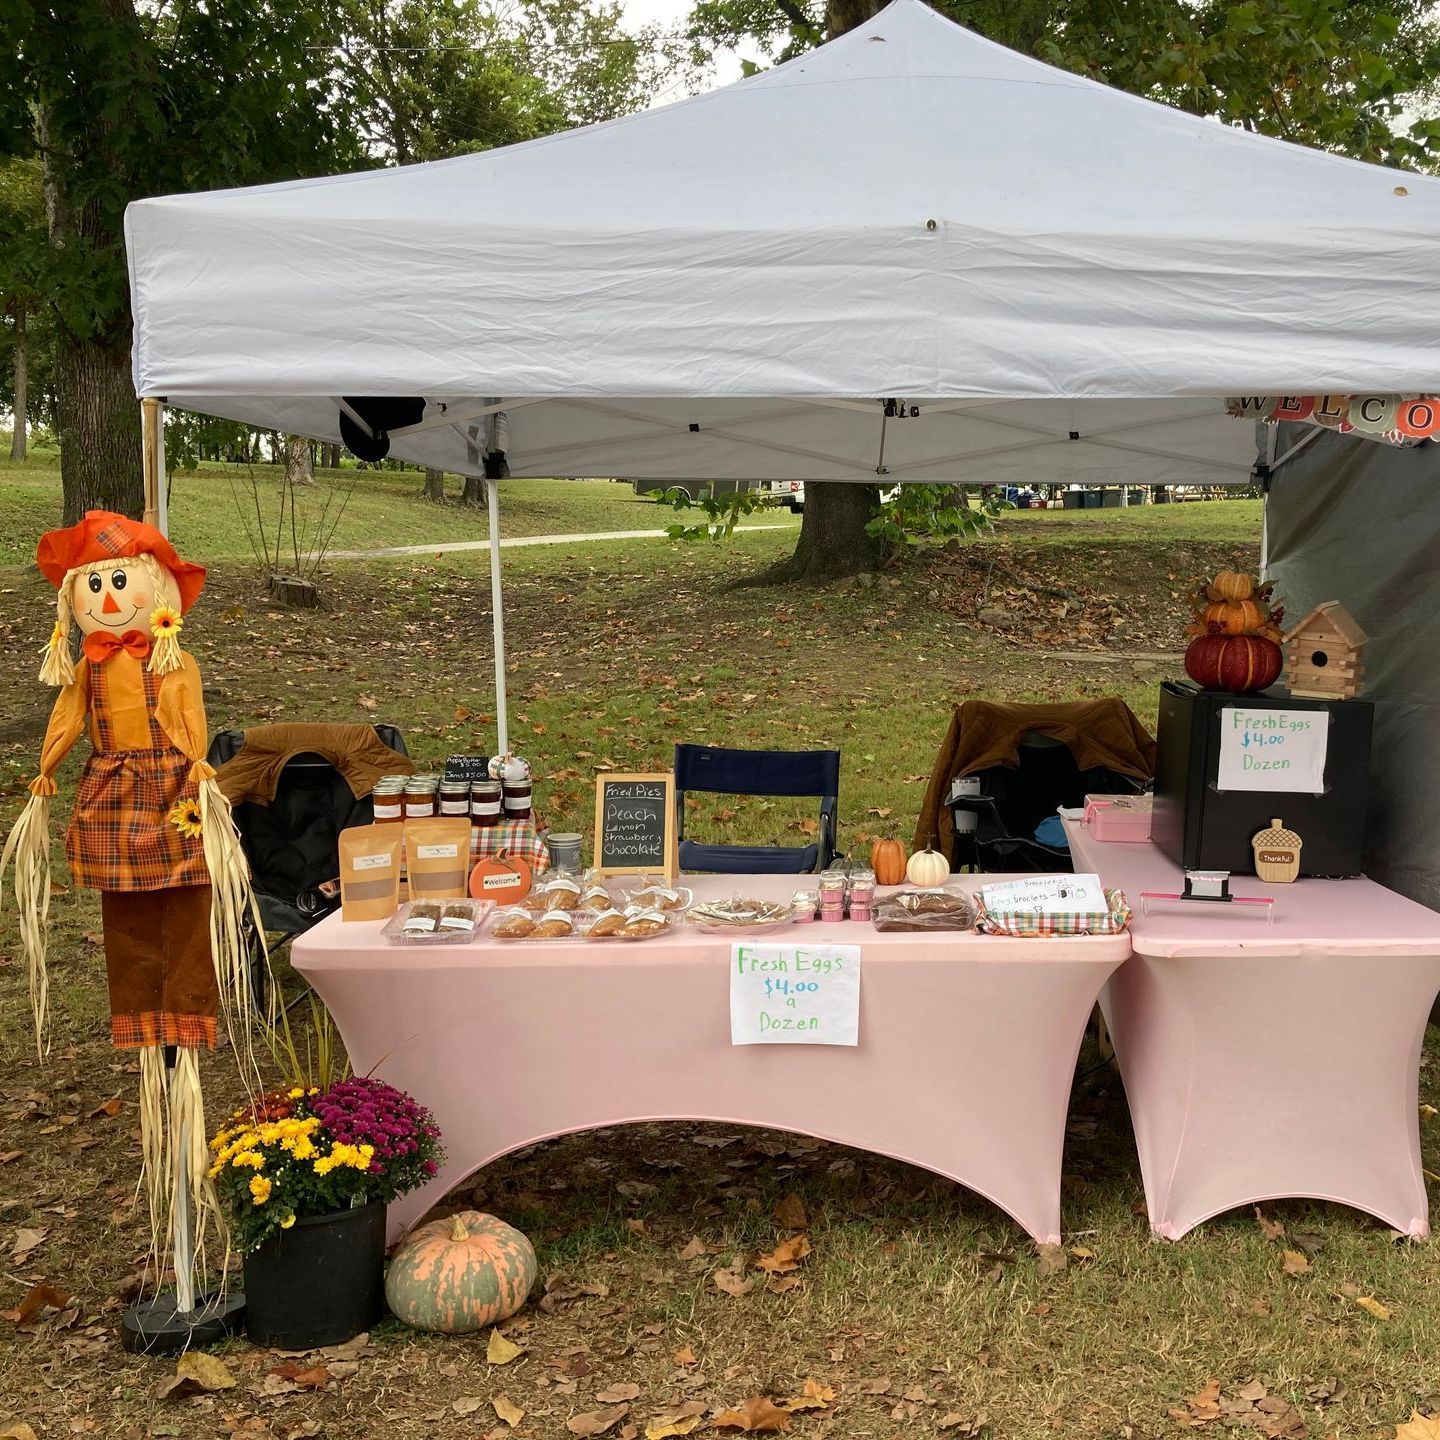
[[121, 836], [1030, 924], [519, 838], [159, 1027]]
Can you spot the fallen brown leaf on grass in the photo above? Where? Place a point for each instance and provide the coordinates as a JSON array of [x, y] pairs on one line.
[[27, 1240], [1201, 1408], [596, 1422], [757, 1414], [110, 1107], [17, 1430], [195, 1371], [10, 1155], [964, 1426], [684, 1356], [678, 1420], [814, 1395], [871, 1387], [1251, 1404], [786, 1256], [779, 1284], [1052, 1261], [1419, 1427], [307, 1377], [507, 1410], [1373, 1306], [466, 1404], [790, 1213], [1271, 1229], [613, 1394], [1294, 1262], [501, 1351], [695, 1249], [40, 1297], [732, 1282]]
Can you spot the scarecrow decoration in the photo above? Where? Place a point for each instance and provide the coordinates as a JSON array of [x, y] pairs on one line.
[[151, 831]]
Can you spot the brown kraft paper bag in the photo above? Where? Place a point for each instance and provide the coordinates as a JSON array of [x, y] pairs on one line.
[[369, 871], [437, 857]]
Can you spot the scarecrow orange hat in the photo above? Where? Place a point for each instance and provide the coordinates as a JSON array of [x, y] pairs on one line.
[[102, 535]]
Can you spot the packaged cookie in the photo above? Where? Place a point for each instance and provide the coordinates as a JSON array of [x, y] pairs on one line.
[[423, 919], [562, 893], [459, 916], [610, 922], [596, 897], [553, 925], [513, 924], [654, 895], [644, 923]]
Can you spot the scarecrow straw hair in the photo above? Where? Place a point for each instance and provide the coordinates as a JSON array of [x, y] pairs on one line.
[[29, 847], [58, 666]]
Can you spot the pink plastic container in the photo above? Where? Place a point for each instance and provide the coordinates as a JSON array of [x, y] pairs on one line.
[[1124, 818]]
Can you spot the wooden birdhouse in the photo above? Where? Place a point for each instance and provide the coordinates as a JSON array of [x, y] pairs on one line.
[[1324, 654]]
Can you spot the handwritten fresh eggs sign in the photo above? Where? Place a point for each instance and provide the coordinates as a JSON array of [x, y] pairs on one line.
[[794, 994], [1267, 749]]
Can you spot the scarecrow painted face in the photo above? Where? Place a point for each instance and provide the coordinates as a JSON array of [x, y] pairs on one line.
[[121, 595]]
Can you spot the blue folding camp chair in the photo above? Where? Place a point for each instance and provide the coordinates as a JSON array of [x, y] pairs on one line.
[[758, 772]]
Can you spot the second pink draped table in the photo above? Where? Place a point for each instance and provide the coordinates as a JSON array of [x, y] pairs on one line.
[[966, 1056]]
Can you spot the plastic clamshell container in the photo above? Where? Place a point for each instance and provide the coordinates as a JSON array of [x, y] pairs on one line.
[[1124, 818]]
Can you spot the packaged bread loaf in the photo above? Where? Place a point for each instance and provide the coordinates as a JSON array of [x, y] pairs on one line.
[[369, 872]]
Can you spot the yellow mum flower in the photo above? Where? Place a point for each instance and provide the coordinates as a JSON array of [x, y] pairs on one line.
[[260, 1188], [303, 1149], [185, 817], [252, 1158], [296, 1094], [165, 621], [288, 1221]]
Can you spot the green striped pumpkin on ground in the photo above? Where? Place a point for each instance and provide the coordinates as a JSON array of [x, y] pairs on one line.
[[460, 1274]]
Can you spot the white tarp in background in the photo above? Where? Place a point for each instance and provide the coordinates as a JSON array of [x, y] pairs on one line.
[[1063, 278], [1360, 523]]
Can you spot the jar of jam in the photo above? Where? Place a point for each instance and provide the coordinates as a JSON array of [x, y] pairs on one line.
[[419, 802], [485, 803], [388, 802], [517, 794], [454, 796]]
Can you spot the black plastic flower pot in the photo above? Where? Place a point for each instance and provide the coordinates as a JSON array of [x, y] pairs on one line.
[[321, 1282]]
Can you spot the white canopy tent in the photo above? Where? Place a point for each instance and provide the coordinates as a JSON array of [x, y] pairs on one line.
[[910, 253]]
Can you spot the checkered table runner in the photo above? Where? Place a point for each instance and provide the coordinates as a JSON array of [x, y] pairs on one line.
[[519, 838]]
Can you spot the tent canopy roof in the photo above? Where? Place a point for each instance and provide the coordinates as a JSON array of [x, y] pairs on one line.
[[907, 212]]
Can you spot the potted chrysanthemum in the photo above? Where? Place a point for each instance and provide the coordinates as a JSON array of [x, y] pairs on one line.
[[305, 1176]]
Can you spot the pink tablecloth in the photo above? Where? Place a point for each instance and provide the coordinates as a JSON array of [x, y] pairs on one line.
[[966, 1055], [1263, 1061]]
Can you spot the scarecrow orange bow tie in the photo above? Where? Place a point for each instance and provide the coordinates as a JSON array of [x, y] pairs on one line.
[[101, 645]]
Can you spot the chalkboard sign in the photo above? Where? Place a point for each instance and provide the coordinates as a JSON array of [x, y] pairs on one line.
[[467, 767], [635, 825]]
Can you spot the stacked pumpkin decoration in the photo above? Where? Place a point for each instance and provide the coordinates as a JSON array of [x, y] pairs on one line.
[[460, 1274], [1236, 634]]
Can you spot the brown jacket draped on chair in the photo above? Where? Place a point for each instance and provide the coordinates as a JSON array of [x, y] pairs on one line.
[[1099, 733], [356, 751]]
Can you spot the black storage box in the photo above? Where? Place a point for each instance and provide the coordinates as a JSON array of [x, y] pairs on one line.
[[1201, 827]]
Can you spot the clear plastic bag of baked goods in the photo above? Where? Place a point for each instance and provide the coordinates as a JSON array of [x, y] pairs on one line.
[[514, 922], [654, 892], [595, 893], [562, 892], [1032, 924], [643, 923], [940, 907]]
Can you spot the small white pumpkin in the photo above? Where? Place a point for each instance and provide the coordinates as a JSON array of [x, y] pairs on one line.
[[927, 868]]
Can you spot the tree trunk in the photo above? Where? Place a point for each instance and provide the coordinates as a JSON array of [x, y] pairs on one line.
[[99, 430], [332, 456], [832, 539], [474, 492], [22, 379], [299, 461], [434, 484]]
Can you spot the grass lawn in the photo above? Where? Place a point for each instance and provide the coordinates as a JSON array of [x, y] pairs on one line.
[[384, 508], [924, 1307]]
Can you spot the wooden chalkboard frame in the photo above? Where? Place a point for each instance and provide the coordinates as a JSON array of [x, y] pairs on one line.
[[671, 868]]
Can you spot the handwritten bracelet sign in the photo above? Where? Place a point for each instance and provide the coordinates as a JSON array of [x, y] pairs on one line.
[[794, 994], [635, 825]]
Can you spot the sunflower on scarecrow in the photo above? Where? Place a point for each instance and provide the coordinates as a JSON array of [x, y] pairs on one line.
[[150, 830]]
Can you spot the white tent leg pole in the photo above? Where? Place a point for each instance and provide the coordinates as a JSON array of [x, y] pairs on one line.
[[497, 614], [151, 424], [162, 472]]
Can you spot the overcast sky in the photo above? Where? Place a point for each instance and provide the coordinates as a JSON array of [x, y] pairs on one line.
[[669, 12]]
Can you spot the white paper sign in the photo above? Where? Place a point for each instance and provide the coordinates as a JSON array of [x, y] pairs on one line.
[[1049, 894], [794, 994], [1264, 749]]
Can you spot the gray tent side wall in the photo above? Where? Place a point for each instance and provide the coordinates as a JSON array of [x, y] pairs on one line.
[[1359, 522]]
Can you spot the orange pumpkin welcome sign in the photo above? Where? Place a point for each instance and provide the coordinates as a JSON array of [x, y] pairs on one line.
[[503, 878]]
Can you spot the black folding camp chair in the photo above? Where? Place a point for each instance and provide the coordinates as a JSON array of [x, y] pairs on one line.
[[806, 773]]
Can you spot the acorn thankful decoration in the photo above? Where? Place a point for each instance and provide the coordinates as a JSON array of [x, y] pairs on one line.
[[1277, 854], [1236, 633], [150, 830]]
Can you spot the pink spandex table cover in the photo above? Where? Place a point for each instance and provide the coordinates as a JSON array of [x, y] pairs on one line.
[[1264, 1061], [966, 1056]]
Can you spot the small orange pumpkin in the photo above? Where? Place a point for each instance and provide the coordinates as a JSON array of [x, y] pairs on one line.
[[1232, 585], [1235, 617], [887, 860], [503, 878]]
